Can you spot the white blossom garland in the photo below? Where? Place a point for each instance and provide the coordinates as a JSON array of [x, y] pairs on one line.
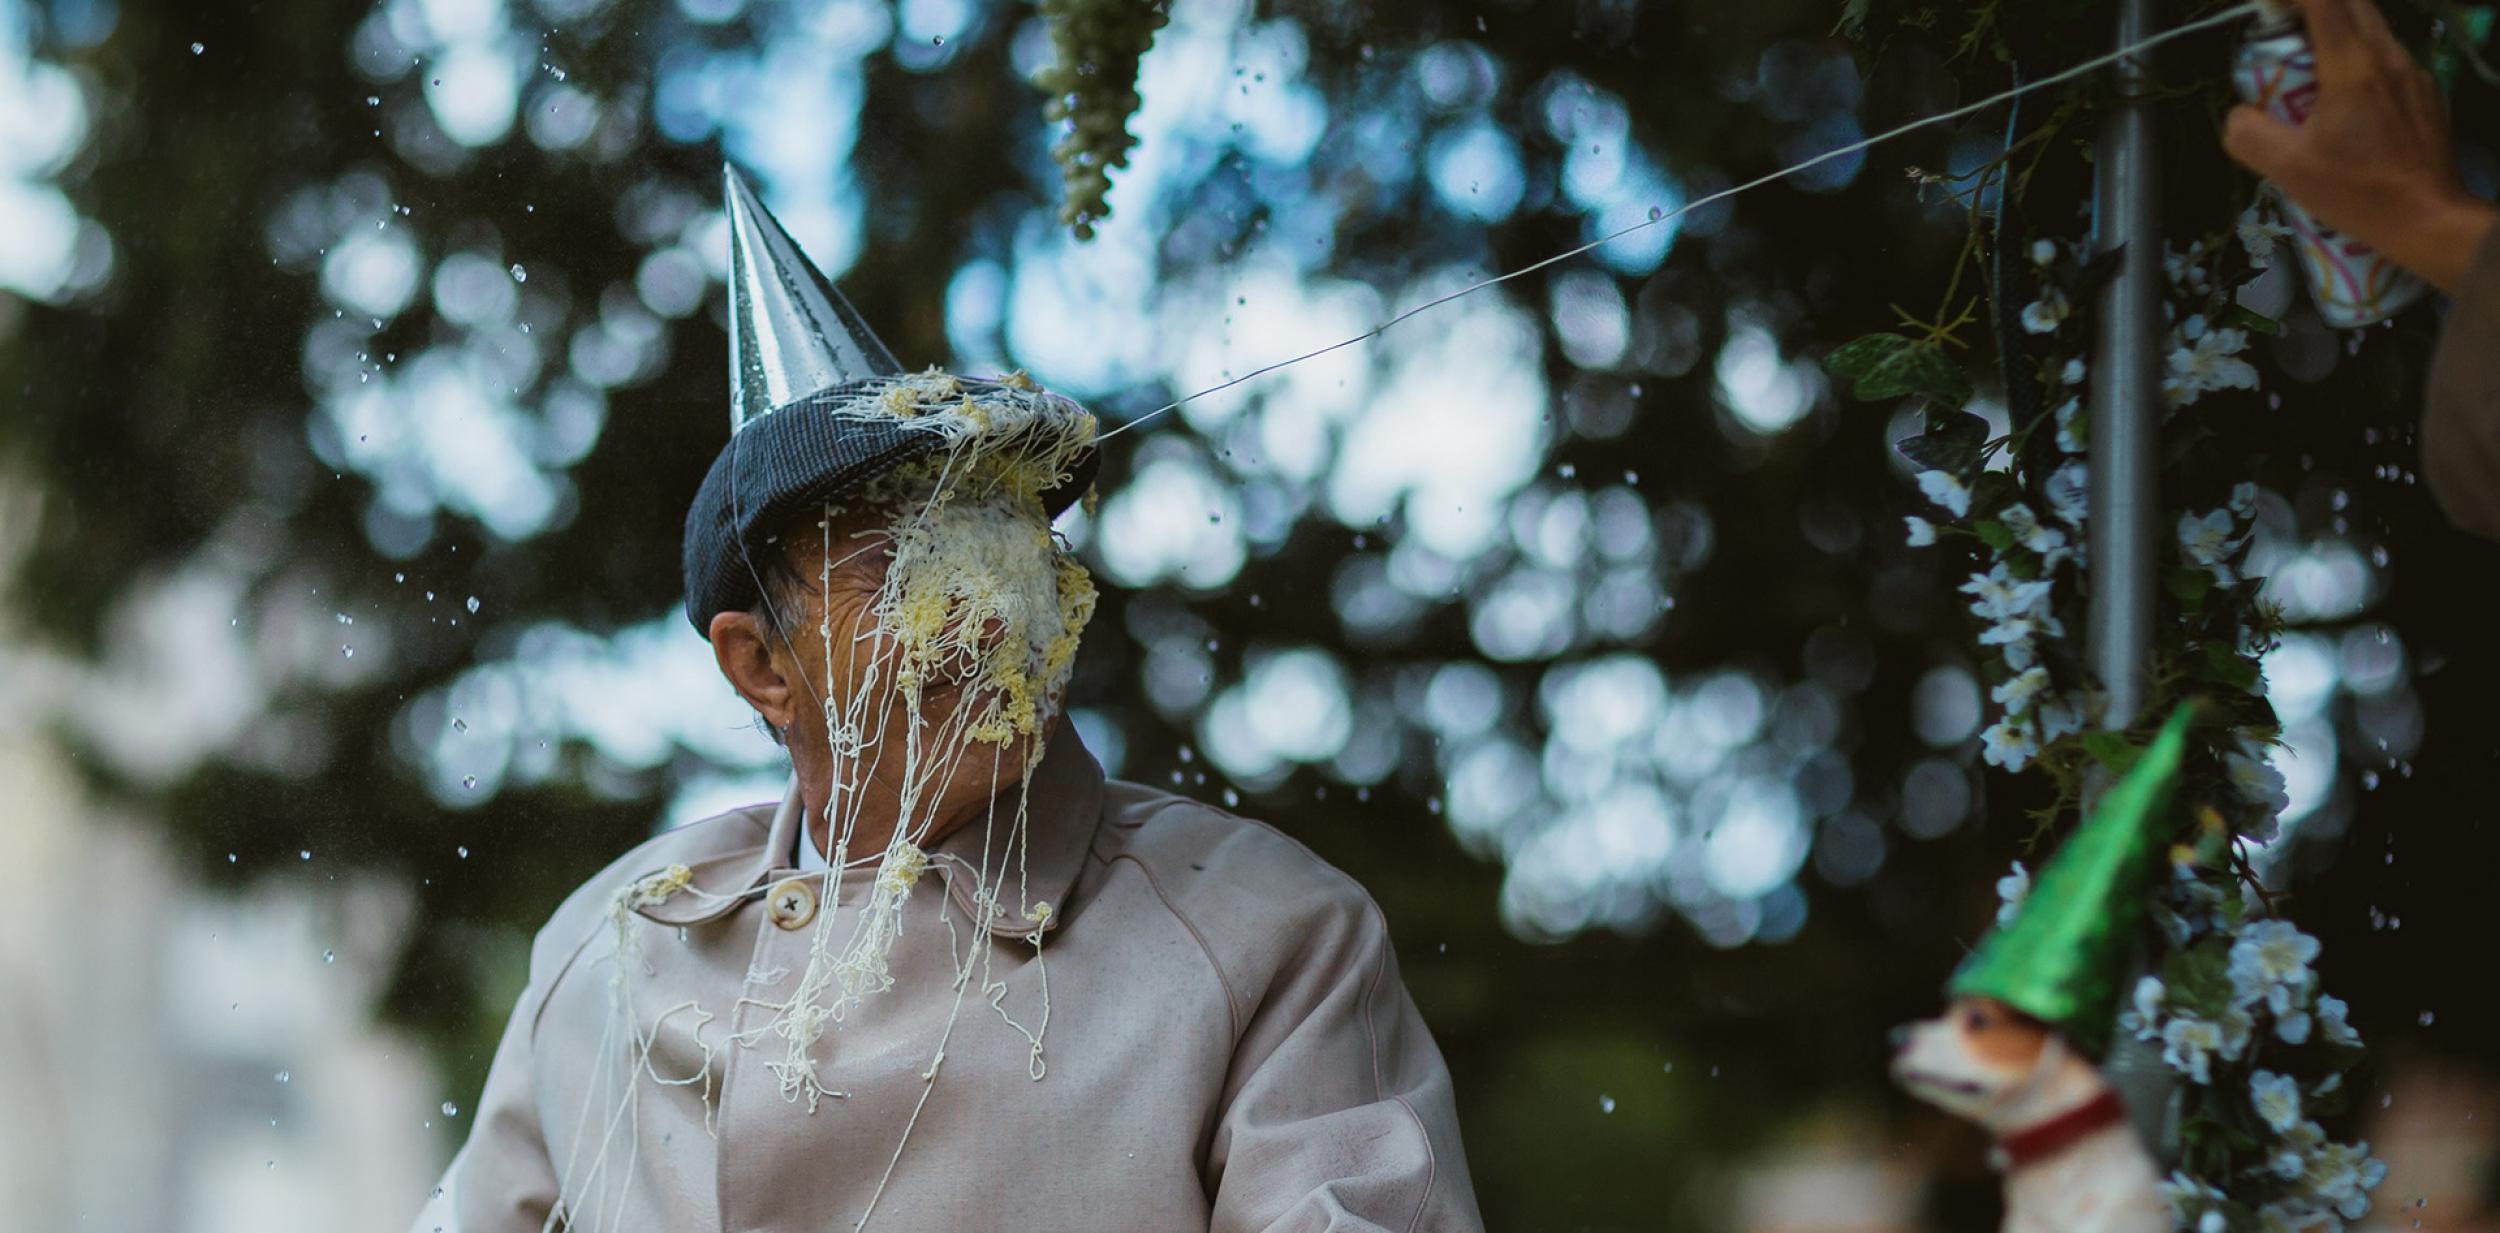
[[2233, 1003]]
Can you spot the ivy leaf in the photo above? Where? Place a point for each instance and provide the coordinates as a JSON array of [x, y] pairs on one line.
[[2177, 445], [2227, 666], [2199, 978], [1951, 443], [2111, 749], [1992, 492], [1890, 366], [2099, 269], [2188, 586]]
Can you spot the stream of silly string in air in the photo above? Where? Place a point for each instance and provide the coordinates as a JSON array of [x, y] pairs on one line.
[[1659, 217]]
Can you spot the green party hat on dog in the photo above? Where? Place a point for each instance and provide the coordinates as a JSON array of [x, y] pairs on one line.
[[2062, 957]]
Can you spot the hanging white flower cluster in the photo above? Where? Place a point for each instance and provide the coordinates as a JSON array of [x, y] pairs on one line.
[[2012, 890], [2029, 534], [2204, 358], [2244, 992], [2261, 234], [2234, 1007]]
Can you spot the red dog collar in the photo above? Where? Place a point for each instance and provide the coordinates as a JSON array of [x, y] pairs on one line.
[[2048, 1138]]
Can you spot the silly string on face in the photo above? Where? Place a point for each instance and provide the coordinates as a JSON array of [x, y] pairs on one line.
[[955, 664], [936, 640]]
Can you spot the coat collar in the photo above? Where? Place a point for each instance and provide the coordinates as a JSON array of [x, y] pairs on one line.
[[1062, 809]]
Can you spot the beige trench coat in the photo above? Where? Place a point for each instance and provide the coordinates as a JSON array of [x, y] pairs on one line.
[[1225, 1043]]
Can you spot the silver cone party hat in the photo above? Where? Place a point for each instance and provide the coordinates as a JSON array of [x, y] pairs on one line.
[[791, 334]]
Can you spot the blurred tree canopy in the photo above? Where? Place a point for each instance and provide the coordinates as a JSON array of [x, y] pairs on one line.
[[1572, 617]]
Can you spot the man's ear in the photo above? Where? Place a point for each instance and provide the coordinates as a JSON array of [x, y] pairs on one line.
[[744, 652]]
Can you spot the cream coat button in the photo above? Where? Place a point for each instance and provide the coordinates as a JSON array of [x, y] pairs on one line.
[[792, 903]]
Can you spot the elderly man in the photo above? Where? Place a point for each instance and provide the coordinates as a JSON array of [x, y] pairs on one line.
[[956, 980]]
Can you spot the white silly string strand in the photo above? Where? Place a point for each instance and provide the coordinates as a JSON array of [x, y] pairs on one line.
[[2207, 22]]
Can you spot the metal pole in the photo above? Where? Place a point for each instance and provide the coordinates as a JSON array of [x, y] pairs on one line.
[[2126, 387], [2126, 429]]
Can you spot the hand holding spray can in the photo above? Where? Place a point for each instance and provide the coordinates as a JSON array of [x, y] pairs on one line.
[[2353, 283]]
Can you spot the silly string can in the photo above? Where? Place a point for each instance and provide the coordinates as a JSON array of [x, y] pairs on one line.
[[2354, 284]]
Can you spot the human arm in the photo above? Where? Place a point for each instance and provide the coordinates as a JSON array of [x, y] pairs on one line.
[[1339, 1114], [2461, 412], [2372, 159], [501, 1180]]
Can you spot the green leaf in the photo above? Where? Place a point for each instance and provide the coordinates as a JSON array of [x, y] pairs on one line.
[[1993, 534], [2111, 749], [2188, 586], [1890, 366], [1951, 443], [1992, 492], [2227, 666]]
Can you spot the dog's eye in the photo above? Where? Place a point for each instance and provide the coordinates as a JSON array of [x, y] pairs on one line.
[[1975, 1019]]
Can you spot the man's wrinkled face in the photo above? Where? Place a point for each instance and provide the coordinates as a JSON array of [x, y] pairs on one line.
[[948, 628]]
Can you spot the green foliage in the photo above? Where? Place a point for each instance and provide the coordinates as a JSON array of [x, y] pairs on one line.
[[1891, 366], [2230, 1017], [2113, 750], [1953, 443], [1092, 88]]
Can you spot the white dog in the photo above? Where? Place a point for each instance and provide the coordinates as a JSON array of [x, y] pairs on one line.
[[2072, 1164]]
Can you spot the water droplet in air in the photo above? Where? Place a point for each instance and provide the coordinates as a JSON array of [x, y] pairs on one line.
[[329, 956], [1605, 1104], [519, 275], [1232, 799], [346, 651], [373, 100], [469, 782], [450, 1109], [938, 41], [399, 578], [197, 48], [305, 854], [2426, 1018], [284, 1077], [458, 724], [473, 603], [1655, 214], [464, 851], [230, 858]]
